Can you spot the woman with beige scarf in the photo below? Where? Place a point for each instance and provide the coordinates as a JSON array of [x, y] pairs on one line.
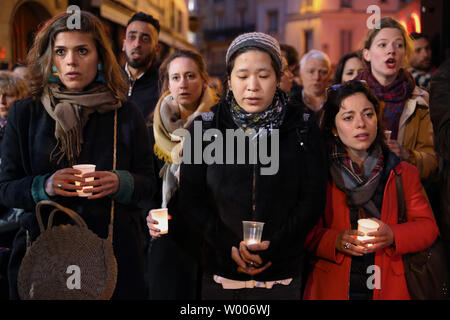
[[173, 268], [78, 100]]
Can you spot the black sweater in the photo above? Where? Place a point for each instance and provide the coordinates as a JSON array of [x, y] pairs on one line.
[[218, 197]]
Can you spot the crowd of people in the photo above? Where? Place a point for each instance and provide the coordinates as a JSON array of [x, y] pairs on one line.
[[342, 140]]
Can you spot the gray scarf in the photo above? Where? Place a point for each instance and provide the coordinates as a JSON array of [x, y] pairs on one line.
[[359, 190]]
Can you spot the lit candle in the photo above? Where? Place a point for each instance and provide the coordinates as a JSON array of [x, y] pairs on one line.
[[367, 226], [161, 216]]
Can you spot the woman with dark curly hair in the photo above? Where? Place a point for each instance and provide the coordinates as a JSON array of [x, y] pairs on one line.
[[362, 185]]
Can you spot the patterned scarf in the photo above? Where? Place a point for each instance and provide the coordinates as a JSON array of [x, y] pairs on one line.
[[269, 119], [359, 184], [394, 95]]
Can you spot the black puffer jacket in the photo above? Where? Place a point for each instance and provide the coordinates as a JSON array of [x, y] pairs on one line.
[[218, 197]]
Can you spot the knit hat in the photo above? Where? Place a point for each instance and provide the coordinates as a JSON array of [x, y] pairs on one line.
[[259, 40]]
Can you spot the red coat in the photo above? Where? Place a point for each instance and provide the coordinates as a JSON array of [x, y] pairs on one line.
[[330, 276]]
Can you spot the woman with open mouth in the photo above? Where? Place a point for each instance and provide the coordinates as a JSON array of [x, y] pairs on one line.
[[404, 106], [363, 177]]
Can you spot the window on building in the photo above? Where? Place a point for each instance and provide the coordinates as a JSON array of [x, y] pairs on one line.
[[219, 20], [307, 5], [272, 21], [309, 40], [346, 41], [346, 3], [172, 15], [192, 5], [180, 22], [241, 17]]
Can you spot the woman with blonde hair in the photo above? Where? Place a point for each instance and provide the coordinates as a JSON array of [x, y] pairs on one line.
[[404, 105], [78, 98], [173, 269]]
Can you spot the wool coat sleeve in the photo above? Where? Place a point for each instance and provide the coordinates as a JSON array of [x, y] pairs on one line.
[[142, 169], [289, 240], [15, 178]]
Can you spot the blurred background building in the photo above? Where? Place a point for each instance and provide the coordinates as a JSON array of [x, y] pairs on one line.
[[20, 19], [334, 26]]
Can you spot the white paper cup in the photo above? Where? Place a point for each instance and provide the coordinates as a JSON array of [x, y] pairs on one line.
[[252, 231], [84, 168], [387, 136], [161, 215], [366, 226]]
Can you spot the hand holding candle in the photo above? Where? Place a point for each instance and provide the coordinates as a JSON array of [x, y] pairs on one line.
[[367, 226], [84, 168], [252, 231], [381, 238], [157, 222]]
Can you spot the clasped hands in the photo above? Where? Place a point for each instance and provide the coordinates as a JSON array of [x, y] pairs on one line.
[[348, 243], [62, 183], [247, 260]]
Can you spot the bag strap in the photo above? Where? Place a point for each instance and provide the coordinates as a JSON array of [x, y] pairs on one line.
[[401, 203], [72, 214], [75, 216], [111, 223]]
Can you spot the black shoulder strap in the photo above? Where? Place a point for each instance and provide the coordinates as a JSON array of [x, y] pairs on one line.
[[400, 199]]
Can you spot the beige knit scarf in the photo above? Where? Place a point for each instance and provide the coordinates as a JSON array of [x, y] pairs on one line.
[[71, 111], [167, 120], [169, 146]]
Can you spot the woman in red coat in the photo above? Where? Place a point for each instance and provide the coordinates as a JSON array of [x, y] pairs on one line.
[[363, 185]]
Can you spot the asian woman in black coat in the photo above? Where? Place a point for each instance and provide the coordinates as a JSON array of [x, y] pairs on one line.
[[221, 190]]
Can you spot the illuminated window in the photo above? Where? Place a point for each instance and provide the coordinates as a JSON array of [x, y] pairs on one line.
[[272, 21], [309, 40], [346, 3], [346, 41]]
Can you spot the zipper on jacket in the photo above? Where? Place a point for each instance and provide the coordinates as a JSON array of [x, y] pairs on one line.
[[130, 89], [254, 192]]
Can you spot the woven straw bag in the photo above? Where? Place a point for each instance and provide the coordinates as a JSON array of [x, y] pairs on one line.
[[69, 262]]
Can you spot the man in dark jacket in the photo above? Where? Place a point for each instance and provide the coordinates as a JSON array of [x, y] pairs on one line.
[[440, 116], [140, 47]]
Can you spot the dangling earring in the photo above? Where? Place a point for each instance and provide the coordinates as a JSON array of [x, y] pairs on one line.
[[171, 98], [54, 77], [100, 78]]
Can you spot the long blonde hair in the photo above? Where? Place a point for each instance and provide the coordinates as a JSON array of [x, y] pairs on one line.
[[40, 55]]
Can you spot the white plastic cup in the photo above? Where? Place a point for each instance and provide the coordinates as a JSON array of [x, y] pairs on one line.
[[366, 226], [84, 168], [387, 136], [161, 215], [252, 231]]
